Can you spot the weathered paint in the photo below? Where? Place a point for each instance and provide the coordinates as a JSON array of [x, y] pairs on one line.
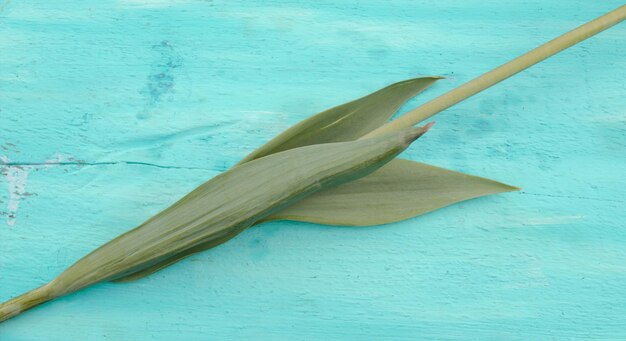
[[151, 98]]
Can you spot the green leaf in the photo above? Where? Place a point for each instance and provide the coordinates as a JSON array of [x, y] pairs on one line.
[[400, 190], [169, 261], [226, 205], [348, 121]]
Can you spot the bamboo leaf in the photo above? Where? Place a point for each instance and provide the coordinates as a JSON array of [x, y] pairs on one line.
[[348, 121], [400, 190]]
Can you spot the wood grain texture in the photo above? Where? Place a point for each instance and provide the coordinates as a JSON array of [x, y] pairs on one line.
[[110, 111]]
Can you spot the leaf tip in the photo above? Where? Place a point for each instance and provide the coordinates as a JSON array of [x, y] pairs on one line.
[[512, 188]]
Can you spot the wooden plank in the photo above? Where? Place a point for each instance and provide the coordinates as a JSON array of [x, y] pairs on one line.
[[110, 111]]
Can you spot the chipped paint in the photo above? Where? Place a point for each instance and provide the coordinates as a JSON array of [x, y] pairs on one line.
[[4, 5], [16, 176], [161, 79]]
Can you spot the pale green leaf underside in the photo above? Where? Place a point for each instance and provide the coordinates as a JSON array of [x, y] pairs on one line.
[[400, 190], [348, 121]]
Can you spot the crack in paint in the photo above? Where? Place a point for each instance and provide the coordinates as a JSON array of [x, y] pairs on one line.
[[16, 174], [105, 163], [573, 197]]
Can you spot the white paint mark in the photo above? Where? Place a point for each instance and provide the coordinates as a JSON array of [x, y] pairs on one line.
[[17, 176], [610, 118], [152, 3], [57, 158], [557, 220]]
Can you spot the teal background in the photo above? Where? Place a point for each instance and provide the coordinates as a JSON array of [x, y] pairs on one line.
[[110, 111]]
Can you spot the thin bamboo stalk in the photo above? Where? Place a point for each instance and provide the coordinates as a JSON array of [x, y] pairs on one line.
[[503, 72]]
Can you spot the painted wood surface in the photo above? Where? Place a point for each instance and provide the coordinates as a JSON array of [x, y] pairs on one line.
[[111, 110]]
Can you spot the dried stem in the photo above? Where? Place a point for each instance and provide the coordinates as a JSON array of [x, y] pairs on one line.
[[25, 301], [503, 72]]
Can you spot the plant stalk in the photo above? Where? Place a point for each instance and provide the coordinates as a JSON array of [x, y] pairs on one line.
[[25, 301], [503, 72]]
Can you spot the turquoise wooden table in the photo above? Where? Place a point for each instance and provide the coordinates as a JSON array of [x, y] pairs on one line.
[[112, 110]]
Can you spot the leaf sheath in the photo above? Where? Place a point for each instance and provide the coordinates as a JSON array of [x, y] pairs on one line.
[[221, 208]]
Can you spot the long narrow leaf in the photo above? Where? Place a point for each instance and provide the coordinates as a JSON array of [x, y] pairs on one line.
[[348, 121], [400, 190]]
